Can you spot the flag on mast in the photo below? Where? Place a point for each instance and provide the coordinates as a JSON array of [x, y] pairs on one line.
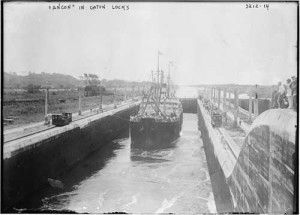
[[159, 53]]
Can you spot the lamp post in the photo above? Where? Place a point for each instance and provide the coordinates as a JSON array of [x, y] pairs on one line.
[[80, 92], [115, 91], [100, 105], [46, 87]]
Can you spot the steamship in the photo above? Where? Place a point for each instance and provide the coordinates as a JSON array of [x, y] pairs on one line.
[[159, 120]]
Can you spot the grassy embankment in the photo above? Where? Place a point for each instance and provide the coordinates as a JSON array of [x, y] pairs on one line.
[[31, 113]]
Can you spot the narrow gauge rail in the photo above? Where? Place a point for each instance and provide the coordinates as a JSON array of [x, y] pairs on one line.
[[53, 126]]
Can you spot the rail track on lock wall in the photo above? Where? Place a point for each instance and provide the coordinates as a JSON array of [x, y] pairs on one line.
[[53, 126], [228, 141]]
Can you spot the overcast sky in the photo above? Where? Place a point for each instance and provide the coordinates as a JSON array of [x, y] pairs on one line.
[[215, 43]]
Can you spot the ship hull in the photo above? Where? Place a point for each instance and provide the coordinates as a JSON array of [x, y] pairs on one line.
[[149, 134]]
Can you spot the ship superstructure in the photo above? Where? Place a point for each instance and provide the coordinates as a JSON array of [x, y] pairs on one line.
[[159, 119]]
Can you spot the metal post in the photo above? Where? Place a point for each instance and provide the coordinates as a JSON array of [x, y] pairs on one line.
[[211, 94], [224, 100], [46, 106], [79, 101], [158, 84], [236, 107], [115, 105], [46, 102], [168, 88], [100, 106], [256, 104], [219, 99], [250, 106], [272, 101]]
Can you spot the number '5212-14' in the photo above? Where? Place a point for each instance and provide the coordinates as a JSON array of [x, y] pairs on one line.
[[250, 6]]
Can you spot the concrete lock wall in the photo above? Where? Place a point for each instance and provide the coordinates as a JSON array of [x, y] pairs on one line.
[[220, 188], [262, 180], [27, 171]]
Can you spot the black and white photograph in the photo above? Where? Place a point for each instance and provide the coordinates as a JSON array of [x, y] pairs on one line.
[[150, 107]]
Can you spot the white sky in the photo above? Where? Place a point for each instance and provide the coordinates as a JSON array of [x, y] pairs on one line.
[[214, 43]]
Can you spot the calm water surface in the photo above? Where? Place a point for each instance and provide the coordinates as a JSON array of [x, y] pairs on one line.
[[118, 179]]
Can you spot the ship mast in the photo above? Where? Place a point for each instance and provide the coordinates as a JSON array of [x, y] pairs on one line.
[[161, 83], [168, 90], [158, 84], [155, 90]]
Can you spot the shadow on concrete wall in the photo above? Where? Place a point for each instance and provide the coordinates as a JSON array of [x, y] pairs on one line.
[[27, 171]]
